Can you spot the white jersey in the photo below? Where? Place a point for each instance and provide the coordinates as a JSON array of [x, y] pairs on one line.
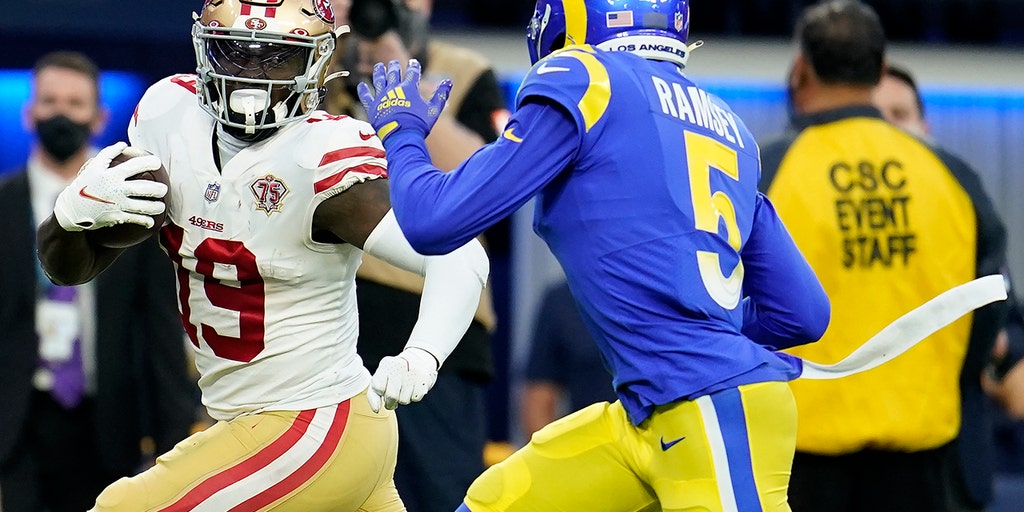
[[271, 313]]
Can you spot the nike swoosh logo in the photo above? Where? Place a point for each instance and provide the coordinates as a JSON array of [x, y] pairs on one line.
[[511, 136], [665, 446], [545, 69], [366, 136], [87, 195]]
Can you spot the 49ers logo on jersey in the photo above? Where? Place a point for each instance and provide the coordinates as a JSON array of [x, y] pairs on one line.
[[269, 192]]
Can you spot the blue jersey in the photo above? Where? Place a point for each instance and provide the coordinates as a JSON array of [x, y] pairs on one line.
[[647, 196]]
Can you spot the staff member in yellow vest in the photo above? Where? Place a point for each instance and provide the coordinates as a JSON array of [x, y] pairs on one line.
[[887, 222], [1002, 382]]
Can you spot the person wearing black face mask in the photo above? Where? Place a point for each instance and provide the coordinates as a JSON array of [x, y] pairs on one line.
[[64, 117], [61, 137], [85, 376]]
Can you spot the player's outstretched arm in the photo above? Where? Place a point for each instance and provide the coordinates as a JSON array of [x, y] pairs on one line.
[[786, 305], [452, 287], [451, 292], [440, 211]]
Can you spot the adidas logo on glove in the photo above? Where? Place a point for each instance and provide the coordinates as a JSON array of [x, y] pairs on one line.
[[396, 98]]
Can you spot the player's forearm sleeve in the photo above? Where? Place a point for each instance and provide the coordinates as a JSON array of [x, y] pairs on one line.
[[441, 211], [452, 286], [786, 305]]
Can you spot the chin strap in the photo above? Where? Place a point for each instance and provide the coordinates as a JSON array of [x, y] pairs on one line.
[[249, 102], [250, 115], [244, 101], [690, 48], [336, 74]]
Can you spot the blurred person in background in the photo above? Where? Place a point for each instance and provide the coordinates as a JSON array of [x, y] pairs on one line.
[[898, 99], [399, 29], [887, 222], [564, 371], [1008, 488], [994, 475], [93, 378], [437, 459], [1001, 384]]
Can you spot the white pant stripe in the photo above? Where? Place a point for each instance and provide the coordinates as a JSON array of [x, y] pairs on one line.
[[719, 458], [276, 471]]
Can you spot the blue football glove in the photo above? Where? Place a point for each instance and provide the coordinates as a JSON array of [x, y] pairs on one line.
[[395, 104]]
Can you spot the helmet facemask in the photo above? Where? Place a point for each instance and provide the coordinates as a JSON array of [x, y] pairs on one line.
[[264, 75], [543, 34]]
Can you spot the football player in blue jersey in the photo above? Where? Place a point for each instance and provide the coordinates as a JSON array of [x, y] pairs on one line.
[[646, 190]]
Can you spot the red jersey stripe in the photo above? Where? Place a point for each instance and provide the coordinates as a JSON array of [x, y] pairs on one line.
[[261, 459], [185, 81], [334, 179], [340, 154], [309, 468]]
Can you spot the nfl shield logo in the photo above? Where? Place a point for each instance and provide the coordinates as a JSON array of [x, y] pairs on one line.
[[679, 22], [212, 192]]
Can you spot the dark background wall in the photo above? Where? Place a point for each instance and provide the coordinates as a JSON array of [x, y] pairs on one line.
[[152, 36], [146, 36], [981, 21]]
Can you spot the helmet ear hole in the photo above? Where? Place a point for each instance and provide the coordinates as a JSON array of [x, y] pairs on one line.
[[558, 43]]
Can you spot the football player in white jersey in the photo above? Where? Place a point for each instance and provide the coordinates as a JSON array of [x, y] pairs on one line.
[[270, 205]]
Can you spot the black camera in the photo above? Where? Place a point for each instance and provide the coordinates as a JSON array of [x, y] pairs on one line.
[[372, 18]]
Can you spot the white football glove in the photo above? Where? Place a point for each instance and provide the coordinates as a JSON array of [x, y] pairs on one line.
[[402, 379], [101, 197]]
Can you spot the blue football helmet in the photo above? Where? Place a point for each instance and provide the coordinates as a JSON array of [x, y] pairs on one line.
[[652, 29]]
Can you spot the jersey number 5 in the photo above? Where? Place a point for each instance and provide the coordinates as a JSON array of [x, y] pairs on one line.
[[702, 155]]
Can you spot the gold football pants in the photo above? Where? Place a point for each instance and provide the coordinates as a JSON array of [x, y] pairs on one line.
[[730, 451], [336, 458]]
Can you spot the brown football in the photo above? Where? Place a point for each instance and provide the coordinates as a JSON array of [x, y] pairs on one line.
[[126, 235]]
